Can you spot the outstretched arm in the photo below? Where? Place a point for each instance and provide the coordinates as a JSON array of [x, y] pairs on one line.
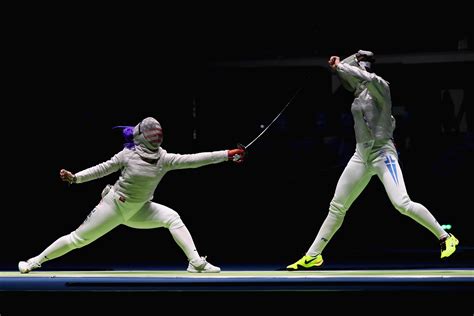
[[180, 161], [101, 170]]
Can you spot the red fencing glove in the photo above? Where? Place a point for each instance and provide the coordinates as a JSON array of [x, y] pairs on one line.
[[236, 155]]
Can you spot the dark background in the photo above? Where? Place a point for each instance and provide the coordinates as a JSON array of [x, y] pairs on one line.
[[216, 80]]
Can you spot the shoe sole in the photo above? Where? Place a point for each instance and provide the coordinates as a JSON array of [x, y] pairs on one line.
[[191, 271], [300, 267], [456, 242]]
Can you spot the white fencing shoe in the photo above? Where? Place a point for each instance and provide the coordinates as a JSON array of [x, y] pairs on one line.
[[27, 266], [202, 266]]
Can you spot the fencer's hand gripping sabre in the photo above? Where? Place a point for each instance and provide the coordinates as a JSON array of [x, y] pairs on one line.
[[268, 126]]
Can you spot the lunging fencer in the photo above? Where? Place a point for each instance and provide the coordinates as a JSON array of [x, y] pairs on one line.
[[375, 154], [142, 164]]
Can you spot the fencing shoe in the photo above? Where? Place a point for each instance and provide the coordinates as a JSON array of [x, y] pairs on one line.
[[306, 263], [27, 266], [448, 246], [202, 266]]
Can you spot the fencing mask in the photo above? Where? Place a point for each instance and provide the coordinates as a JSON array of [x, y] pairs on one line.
[[148, 136]]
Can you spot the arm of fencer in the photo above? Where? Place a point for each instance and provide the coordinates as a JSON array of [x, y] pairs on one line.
[[376, 84]]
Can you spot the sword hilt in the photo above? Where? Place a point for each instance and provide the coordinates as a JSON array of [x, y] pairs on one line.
[[244, 148]]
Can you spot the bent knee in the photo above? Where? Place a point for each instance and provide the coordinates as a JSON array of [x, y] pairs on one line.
[[337, 209], [404, 207], [174, 221], [76, 241]]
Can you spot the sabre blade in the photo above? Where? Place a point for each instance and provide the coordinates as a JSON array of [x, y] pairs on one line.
[[276, 117]]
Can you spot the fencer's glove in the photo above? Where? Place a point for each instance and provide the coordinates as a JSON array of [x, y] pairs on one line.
[[237, 155], [67, 176], [334, 61]]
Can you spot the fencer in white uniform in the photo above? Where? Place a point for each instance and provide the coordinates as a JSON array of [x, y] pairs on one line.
[[142, 164], [375, 154]]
